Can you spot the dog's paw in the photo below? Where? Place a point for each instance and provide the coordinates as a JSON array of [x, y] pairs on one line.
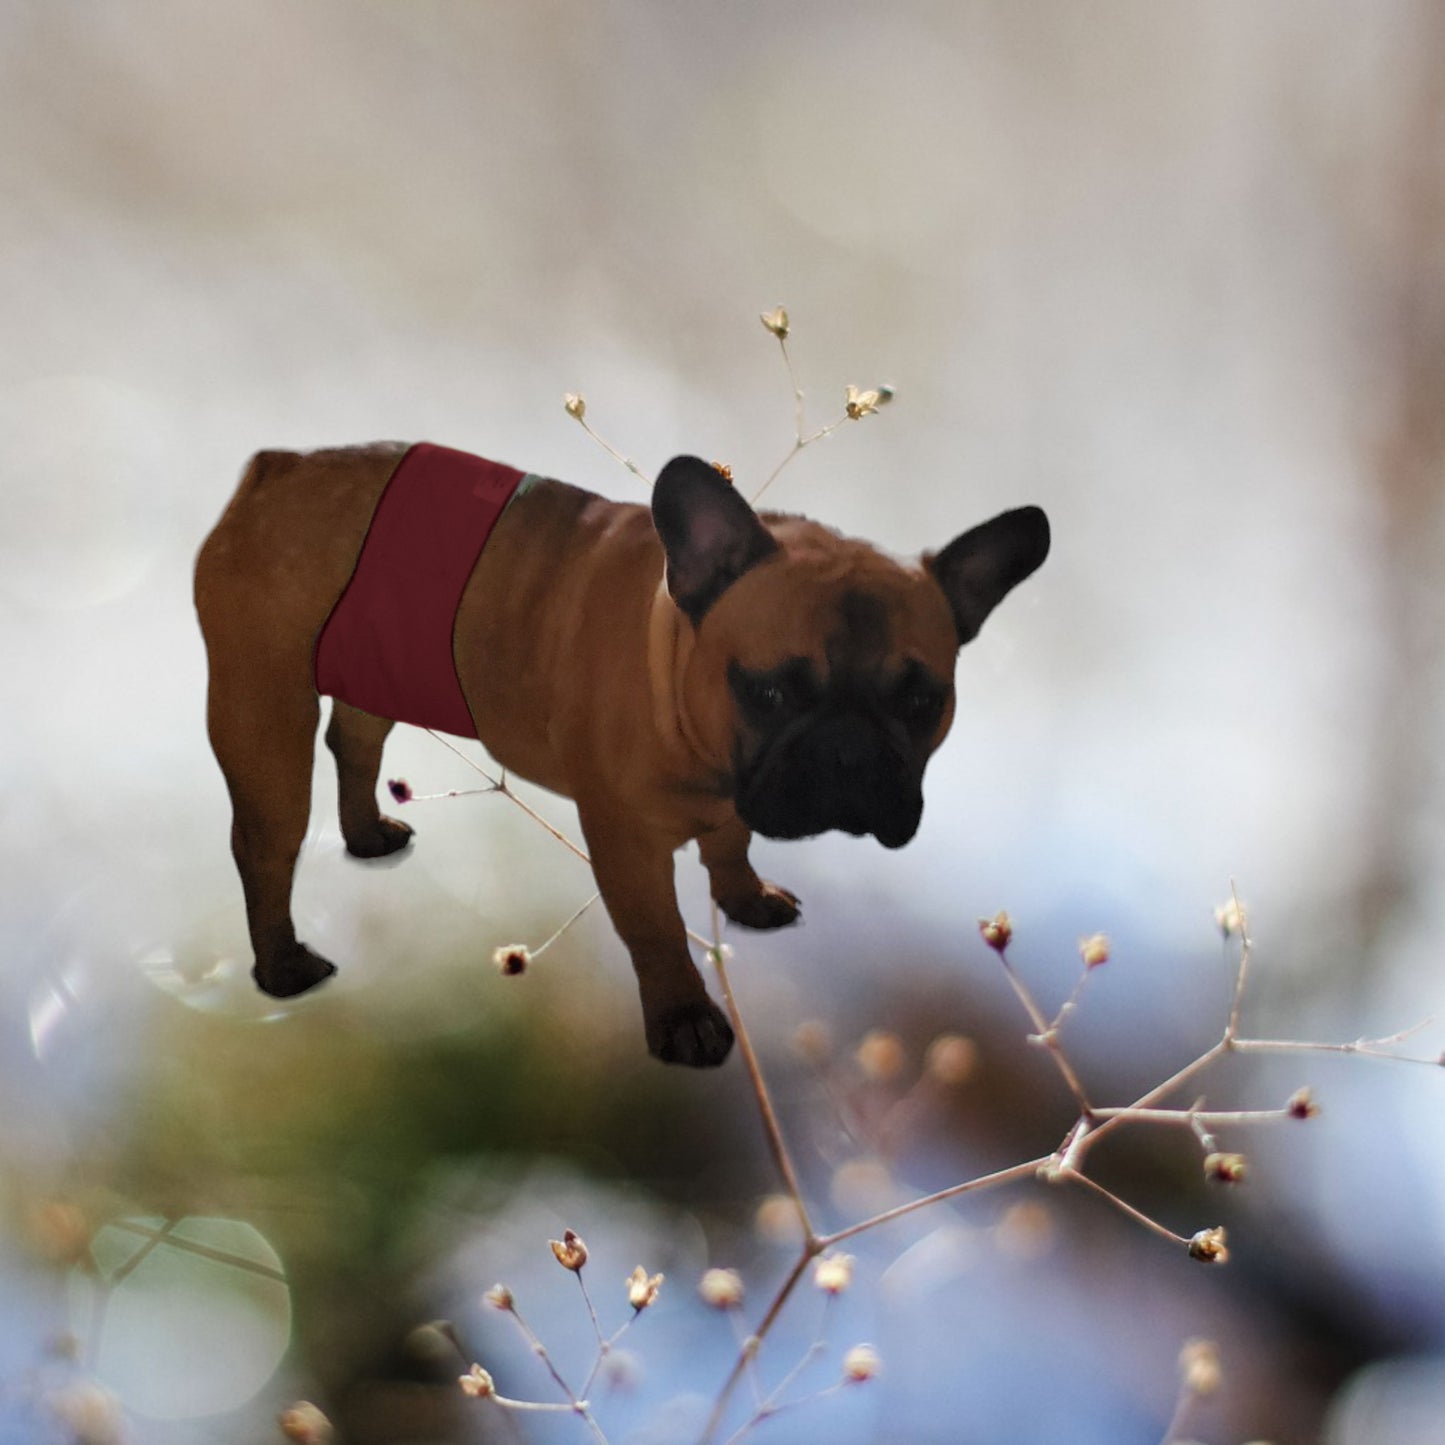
[[696, 1034], [769, 907], [293, 972], [379, 839]]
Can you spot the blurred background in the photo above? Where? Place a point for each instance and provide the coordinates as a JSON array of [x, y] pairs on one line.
[[1175, 272]]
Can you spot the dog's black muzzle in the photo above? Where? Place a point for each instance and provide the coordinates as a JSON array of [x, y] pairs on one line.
[[842, 773]]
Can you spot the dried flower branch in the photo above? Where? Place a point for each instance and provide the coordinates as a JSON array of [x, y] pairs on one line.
[[951, 1060], [576, 407], [857, 403]]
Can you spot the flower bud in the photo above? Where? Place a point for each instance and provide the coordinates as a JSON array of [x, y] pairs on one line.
[[570, 1251], [500, 1297], [833, 1273], [722, 1289], [861, 1364], [642, 1289], [881, 1055], [996, 931], [1301, 1105], [477, 1383], [1199, 1367], [859, 404], [1230, 918], [776, 321], [399, 789], [1208, 1246], [574, 405], [512, 959], [1225, 1168], [778, 1220], [951, 1059], [1094, 950], [813, 1041]]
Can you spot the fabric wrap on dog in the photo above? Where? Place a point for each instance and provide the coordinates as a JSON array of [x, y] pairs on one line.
[[387, 647]]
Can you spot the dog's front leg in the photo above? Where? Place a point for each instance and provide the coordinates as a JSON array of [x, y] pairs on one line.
[[736, 888], [634, 874]]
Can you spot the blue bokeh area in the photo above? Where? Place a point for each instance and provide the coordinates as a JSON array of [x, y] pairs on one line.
[[1172, 273]]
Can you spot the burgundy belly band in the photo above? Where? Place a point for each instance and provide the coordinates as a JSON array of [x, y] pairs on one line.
[[388, 646]]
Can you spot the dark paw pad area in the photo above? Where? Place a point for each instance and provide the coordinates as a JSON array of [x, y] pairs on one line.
[[385, 837], [294, 973], [696, 1035], [770, 907]]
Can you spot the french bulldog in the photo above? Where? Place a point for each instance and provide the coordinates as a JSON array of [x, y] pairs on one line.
[[692, 670]]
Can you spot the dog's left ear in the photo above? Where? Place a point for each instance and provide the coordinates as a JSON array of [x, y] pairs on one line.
[[978, 569], [709, 533]]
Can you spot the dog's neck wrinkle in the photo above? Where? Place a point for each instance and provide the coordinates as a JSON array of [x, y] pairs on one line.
[[669, 646]]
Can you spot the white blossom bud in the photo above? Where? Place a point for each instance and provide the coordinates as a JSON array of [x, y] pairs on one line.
[[477, 1383], [860, 1364], [642, 1289], [722, 1289], [833, 1273]]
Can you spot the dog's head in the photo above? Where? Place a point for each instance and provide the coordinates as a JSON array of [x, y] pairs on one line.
[[821, 673]]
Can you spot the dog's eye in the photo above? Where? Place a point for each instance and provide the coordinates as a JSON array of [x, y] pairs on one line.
[[780, 692], [919, 703], [764, 695]]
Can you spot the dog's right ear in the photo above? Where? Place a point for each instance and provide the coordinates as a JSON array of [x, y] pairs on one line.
[[709, 533]]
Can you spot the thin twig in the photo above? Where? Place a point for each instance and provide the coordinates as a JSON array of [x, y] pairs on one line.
[[1241, 974], [793, 451], [1369, 1048], [614, 453], [500, 785], [1183, 1407], [1073, 1176], [1070, 1003], [1045, 1035], [542, 948], [754, 1342], [742, 1334], [596, 1323], [797, 390], [1200, 1118], [1027, 1170], [576, 1403], [1159, 1091], [774, 1405], [771, 1127], [552, 1407]]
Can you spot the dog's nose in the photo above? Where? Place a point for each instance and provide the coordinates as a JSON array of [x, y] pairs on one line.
[[854, 745]]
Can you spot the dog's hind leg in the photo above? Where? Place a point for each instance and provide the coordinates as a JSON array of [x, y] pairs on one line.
[[356, 739], [267, 578], [262, 712]]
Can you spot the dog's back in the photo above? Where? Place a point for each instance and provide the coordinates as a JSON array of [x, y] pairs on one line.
[[286, 544]]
